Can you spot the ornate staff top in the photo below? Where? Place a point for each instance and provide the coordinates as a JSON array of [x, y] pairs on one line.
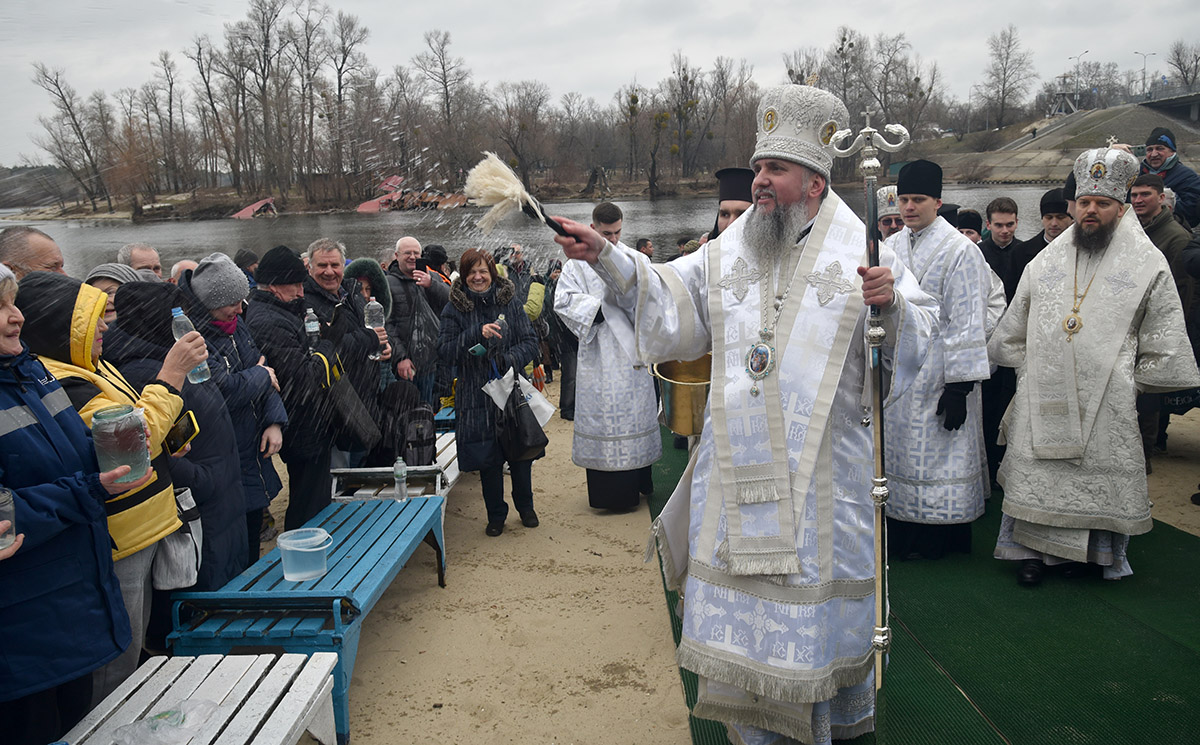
[[870, 142]]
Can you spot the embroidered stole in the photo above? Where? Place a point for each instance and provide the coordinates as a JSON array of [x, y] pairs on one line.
[[1060, 429], [752, 434]]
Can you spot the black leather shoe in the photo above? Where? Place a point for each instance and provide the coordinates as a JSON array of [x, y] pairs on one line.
[[529, 519], [1030, 573], [1077, 569], [494, 529]]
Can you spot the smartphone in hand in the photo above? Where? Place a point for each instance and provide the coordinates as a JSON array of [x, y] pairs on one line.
[[478, 350]]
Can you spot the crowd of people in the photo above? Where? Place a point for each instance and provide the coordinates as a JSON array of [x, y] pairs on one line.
[[1047, 368]]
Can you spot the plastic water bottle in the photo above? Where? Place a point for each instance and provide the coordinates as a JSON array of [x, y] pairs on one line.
[[400, 474], [503, 324], [373, 318], [181, 326], [312, 327]]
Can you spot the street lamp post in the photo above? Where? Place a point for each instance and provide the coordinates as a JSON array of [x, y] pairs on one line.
[[1144, 56], [1077, 58]]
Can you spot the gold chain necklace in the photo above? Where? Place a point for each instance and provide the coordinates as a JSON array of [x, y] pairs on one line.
[[1073, 324]]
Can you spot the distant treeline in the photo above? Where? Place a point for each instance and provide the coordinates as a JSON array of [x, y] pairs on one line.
[[37, 186]]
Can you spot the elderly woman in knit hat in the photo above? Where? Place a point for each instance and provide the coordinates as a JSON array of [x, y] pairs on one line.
[[109, 278], [249, 385]]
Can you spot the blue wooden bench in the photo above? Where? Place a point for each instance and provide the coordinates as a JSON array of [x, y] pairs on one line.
[[259, 609], [443, 420]]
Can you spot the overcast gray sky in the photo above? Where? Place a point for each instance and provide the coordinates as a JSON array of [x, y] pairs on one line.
[[593, 49]]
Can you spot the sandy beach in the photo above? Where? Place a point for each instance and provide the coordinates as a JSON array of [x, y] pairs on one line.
[[560, 634]]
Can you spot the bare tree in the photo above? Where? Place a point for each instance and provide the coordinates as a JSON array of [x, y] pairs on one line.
[[309, 50], [803, 65], [1184, 61], [450, 78], [1009, 74], [70, 143], [346, 60], [521, 117]]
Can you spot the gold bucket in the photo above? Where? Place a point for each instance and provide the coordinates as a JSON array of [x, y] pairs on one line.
[[684, 388]]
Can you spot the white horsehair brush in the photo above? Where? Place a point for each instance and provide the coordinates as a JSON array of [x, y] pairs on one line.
[[491, 183]]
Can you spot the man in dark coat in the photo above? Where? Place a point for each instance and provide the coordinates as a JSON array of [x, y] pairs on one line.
[[999, 248], [1162, 160], [340, 306], [275, 316], [417, 302], [1055, 219]]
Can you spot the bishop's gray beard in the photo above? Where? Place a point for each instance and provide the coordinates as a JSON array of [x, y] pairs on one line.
[[770, 234], [1095, 241]]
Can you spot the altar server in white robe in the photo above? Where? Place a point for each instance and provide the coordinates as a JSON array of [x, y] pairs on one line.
[[617, 437], [1095, 320], [937, 467], [769, 533]]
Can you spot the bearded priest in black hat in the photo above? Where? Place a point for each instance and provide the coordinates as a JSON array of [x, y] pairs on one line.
[[770, 531], [936, 462]]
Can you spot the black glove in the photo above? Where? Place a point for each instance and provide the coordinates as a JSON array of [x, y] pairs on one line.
[[953, 404]]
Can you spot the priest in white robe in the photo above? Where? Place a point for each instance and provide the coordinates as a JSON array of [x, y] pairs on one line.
[[617, 437], [936, 463], [769, 534], [1095, 321]]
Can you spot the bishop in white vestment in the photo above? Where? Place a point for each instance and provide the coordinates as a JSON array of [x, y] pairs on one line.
[[769, 534], [1096, 320], [936, 463]]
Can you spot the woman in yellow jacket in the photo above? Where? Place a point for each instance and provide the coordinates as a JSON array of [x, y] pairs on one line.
[[64, 326]]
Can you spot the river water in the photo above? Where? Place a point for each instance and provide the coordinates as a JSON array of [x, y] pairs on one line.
[[86, 243]]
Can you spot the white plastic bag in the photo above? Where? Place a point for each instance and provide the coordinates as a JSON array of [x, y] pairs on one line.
[[499, 389]]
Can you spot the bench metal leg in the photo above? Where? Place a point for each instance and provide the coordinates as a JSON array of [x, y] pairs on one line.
[[436, 542]]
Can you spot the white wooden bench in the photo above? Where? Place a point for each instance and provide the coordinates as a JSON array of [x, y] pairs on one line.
[[436, 479], [262, 699]]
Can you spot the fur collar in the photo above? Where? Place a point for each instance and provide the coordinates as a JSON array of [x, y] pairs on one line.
[[464, 300]]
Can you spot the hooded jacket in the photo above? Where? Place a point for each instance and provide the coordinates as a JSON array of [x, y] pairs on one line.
[[61, 316], [137, 345], [60, 603]]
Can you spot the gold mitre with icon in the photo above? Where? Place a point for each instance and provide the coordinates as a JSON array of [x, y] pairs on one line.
[[1105, 172], [797, 123]]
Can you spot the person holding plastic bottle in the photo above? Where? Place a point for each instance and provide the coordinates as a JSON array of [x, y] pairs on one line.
[[484, 324], [248, 383]]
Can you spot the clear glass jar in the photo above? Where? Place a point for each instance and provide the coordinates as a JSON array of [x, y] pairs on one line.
[[8, 513], [119, 433]]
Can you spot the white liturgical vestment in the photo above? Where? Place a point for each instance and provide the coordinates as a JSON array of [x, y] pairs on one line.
[[936, 475], [770, 531], [616, 414], [1074, 473]]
